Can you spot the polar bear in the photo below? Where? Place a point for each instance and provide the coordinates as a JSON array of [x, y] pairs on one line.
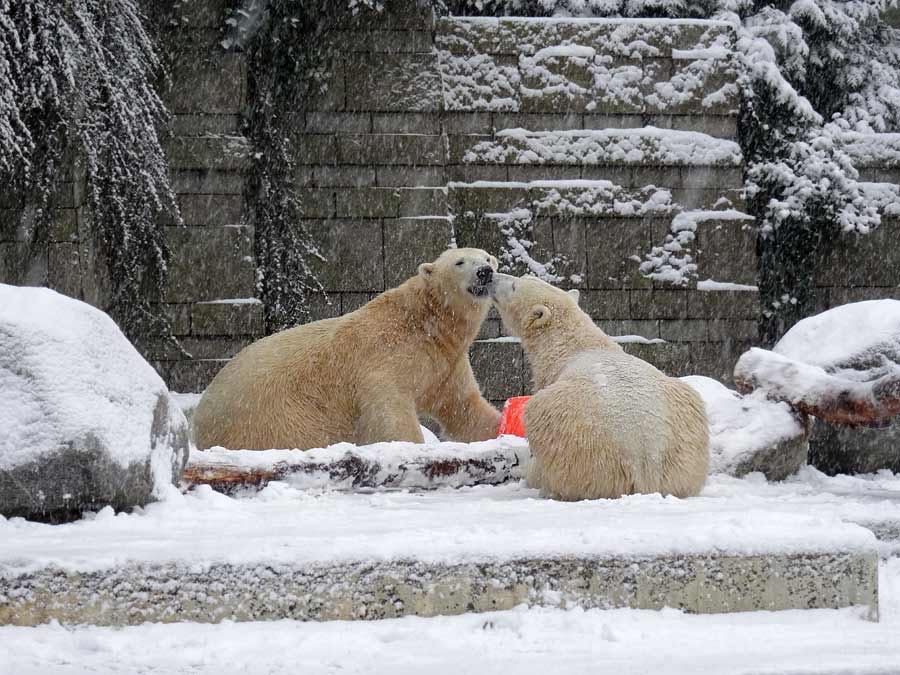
[[601, 424], [363, 377]]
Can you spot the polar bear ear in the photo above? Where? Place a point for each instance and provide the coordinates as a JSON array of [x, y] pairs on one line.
[[494, 262], [426, 269], [575, 294], [539, 316]]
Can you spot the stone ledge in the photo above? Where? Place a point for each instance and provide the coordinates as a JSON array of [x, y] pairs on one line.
[[209, 153], [188, 375], [502, 370], [224, 317], [624, 38], [167, 592]]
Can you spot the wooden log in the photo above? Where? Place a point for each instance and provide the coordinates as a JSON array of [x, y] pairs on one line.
[[350, 467], [811, 390]]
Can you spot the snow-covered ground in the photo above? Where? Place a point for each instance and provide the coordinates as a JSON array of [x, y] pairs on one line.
[[484, 523], [520, 641]]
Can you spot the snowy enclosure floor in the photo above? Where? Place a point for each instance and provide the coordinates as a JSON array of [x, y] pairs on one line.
[[281, 524], [535, 640]]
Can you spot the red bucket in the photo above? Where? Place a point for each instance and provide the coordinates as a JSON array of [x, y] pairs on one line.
[[512, 419]]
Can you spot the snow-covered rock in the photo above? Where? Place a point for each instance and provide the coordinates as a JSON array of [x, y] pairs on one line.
[[751, 433], [86, 421], [859, 341], [842, 366], [187, 403]]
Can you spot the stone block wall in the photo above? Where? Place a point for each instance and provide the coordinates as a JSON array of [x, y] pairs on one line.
[[212, 286], [412, 136], [58, 263], [420, 140]]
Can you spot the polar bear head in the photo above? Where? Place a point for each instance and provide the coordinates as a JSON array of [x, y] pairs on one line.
[[461, 274], [529, 306]]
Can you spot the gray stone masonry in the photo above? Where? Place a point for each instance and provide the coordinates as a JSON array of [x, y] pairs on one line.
[[703, 584], [387, 163]]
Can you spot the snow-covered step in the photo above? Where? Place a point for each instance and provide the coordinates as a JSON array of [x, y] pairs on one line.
[[287, 553], [622, 38], [879, 152], [599, 66], [683, 161], [884, 196], [605, 147], [877, 158], [503, 200]]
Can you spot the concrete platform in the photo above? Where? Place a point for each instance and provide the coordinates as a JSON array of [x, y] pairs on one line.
[[290, 554], [706, 584]]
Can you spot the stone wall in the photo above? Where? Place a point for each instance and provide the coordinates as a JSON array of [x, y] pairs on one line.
[[410, 133], [417, 127]]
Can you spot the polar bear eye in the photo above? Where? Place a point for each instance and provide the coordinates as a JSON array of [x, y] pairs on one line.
[[459, 263]]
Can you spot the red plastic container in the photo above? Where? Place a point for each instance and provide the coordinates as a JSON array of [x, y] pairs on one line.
[[512, 420]]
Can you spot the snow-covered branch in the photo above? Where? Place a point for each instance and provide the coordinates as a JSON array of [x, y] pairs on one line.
[[77, 81]]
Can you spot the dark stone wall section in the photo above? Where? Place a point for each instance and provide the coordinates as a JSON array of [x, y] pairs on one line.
[[385, 159]]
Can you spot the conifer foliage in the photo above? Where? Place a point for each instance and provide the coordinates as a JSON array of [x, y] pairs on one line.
[[77, 97]]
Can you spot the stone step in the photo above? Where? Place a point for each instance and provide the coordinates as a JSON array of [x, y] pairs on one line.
[[645, 146], [587, 66], [623, 38], [289, 554]]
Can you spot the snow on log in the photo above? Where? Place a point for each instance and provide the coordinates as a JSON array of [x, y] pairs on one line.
[[812, 390], [842, 366], [347, 466], [858, 341]]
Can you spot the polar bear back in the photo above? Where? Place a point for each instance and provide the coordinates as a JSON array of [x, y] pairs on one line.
[[629, 406], [611, 425]]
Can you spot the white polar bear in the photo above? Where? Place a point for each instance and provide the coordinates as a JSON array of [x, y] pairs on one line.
[[603, 423], [366, 376]]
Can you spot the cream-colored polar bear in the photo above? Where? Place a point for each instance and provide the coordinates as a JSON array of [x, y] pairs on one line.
[[365, 376], [602, 424]]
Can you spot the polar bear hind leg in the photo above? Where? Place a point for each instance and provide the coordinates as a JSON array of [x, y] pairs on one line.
[[686, 463], [574, 456]]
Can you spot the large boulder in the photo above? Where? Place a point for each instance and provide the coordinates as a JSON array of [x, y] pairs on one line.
[[837, 449], [751, 433], [858, 346], [859, 341], [86, 422]]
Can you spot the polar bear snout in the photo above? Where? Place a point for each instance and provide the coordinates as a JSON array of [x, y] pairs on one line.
[[483, 281], [502, 287]]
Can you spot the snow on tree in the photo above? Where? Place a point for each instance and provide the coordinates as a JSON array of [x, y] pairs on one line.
[[290, 51], [812, 74], [77, 93]]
